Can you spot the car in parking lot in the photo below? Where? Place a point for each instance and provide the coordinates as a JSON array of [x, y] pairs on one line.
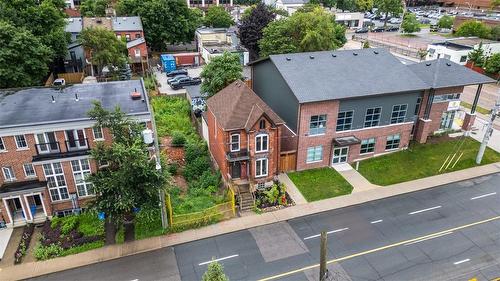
[[177, 72], [378, 29], [173, 79], [361, 30], [424, 21], [392, 28], [185, 81]]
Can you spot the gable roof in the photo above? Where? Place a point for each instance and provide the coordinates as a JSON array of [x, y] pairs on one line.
[[443, 73], [329, 75], [135, 42], [238, 107]]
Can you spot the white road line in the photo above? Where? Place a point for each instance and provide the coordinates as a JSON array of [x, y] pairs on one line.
[[424, 210], [377, 221], [219, 259], [428, 238], [462, 261], [329, 232], [482, 196]]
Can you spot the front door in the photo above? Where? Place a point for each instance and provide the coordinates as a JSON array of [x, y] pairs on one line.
[[340, 155], [236, 170], [447, 120]]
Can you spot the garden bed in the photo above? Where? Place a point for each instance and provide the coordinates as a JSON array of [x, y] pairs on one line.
[[272, 198], [24, 243]]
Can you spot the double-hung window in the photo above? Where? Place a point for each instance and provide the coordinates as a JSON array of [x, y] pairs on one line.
[[261, 166], [29, 171], [367, 146], [55, 181], [417, 106], [344, 120], [81, 168], [372, 117], [8, 173], [317, 125], [21, 142], [235, 142], [2, 145], [398, 113], [314, 154], [98, 134], [392, 142], [261, 143]]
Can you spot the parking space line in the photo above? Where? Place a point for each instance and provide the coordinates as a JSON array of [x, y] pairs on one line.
[[425, 210], [462, 261], [219, 259], [329, 232], [377, 221], [482, 196]]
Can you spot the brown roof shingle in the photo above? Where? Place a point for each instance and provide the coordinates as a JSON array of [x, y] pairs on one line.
[[238, 107]]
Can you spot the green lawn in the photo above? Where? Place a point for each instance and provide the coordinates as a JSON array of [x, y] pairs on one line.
[[317, 184], [479, 109], [423, 160]]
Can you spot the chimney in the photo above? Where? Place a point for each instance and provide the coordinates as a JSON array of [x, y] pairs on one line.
[[135, 95]]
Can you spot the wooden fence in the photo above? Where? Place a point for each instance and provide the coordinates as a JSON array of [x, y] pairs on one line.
[[72, 78]]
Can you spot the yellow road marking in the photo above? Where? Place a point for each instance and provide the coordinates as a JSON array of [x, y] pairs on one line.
[[380, 248]]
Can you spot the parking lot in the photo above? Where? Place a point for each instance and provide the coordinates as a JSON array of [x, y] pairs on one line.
[[165, 89]]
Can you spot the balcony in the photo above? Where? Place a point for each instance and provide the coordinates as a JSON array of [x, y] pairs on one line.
[[52, 150], [238, 155]]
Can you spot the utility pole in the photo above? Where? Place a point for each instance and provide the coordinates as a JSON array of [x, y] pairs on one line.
[[323, 273], [489, 130]]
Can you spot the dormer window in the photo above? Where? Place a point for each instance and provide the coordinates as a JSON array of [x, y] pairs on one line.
[[262, 124], [235, 142]]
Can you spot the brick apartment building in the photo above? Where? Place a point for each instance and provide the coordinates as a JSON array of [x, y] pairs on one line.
[[244, 136], [205, 4], [45, 142], [345, 106]]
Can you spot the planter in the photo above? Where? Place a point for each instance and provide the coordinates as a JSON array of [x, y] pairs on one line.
[[24, 243], [263, 204]]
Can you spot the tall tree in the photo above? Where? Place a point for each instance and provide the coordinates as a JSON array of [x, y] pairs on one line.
[[386, 7], [24, 58], [473, 28], [477, 56], [364, 5], [104, 47], [130, 180], [164, 21], [445, 22], [220, 72], [251, 27], [410, 23], [94, 8], [304, 31], [492, 65], [217, 16], [324, 3], [346, 5], [215, 272]]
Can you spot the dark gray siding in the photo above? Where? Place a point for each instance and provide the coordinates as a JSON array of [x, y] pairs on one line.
[[359, 106], [272, 88]]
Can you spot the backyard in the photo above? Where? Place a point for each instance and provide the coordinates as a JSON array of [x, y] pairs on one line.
[[425, 160], [322, 183]]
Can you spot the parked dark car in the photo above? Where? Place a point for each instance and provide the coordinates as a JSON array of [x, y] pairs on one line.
[[425, 21], [392, 28], [177, 72], [378, 29], [185, 81], [176, 78], [434, 28], [361, 30]]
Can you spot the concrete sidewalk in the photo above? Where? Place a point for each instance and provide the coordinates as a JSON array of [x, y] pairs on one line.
[[358, 182], [32, 269]]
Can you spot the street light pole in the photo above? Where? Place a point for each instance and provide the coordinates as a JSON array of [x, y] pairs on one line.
[[489, 130]]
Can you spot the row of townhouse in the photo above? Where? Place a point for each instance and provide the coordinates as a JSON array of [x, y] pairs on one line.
[[127, 28], [326, 108], [45, 142]]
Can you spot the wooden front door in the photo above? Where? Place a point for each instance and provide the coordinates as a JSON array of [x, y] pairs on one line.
[[236, 170]]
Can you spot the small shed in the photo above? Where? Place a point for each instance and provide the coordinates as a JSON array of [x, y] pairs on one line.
[[168, 63], [187, 59]]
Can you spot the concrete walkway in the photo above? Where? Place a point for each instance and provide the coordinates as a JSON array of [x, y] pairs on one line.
[[292, 190], [358, 182], [480, 125], [32, 269]]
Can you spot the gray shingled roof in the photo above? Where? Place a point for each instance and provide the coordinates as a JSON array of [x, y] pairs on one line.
[[74, 25], [328, 75], [34, 105], [135, 42], [126, 23], [443, 73]]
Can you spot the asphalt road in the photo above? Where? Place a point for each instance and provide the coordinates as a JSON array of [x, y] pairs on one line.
[[445, 233]]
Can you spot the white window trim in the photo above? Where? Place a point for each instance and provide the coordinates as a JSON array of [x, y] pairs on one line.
[[231, 142], [370, 152], [318, 134], [337, 120], [102, 133], [261, 136], [25, 140], [81, 171], [404, 117], [314, 161], [10, 171], [4, 147], [58, 188], [379, 118], [26, 174], [267, 167]]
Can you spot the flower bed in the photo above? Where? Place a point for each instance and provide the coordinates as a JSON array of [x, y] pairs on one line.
[[24, 243], [272, 198]]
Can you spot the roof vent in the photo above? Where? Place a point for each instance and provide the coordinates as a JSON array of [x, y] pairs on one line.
[[334, 55], [375, 52], [311, 57], [288, 59], [135, 95], [448, 64], [428, 64], [355, 53]]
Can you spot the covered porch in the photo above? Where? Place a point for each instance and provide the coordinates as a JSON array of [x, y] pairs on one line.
[[340, 149], [23, 203]]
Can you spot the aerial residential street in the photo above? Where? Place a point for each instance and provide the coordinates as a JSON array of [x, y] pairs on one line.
[[445, 233]]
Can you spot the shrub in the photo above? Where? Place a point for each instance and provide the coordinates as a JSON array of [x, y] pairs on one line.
[[492, 65], [89, 225], [215, 272], [195, 149], [172, 168], [46, 252], [194, 169], [208, 180], [24, 243], [473, 28], [68, 224], [173, 114], [272, 194], [445, 22], [178, 139]]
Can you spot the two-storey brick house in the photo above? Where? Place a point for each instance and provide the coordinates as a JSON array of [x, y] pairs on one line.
[[45, 142], [344, 106], [244, 136]]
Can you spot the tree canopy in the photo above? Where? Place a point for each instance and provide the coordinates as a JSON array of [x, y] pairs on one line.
[[104, 47], [364, 5], [410, 23], [445, 22], [217, 16], [220, 72], [386, 7], [130, 179], [251, 27], [164, 21], [24, 58], [477, 56], [492, 65], [473, 28], [304, 31], [94, 8]]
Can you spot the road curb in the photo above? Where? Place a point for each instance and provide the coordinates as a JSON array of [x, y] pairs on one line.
[[34, 269]]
